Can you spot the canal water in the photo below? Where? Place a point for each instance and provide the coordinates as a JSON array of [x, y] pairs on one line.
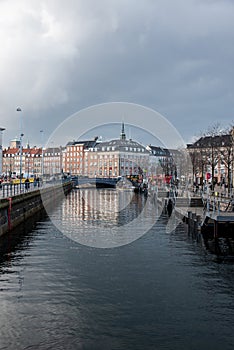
[[160, 291]]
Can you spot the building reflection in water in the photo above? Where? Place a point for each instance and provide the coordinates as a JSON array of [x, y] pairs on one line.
[[104, 217], [106, 205]]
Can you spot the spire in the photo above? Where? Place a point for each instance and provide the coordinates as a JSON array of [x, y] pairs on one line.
[[122, 135]]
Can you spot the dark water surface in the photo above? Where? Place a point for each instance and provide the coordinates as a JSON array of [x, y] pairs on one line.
[[162, 291]]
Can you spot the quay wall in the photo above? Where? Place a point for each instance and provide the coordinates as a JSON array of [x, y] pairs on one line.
[[214, 229], [190, 215], [17, 209]]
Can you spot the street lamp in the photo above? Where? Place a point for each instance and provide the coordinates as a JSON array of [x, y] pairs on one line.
[[203, 160], [42, 154], [21, 135], [28, 157], [53, 161], [1, 130]]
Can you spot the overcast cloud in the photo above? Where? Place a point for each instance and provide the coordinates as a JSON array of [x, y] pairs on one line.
[[58, 57]]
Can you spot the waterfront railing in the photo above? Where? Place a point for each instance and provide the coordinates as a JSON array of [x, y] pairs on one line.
[[10, 190]]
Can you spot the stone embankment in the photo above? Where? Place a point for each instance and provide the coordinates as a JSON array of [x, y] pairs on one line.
[[16, 209]]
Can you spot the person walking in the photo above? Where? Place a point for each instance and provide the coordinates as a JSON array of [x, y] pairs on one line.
[[27, 184]]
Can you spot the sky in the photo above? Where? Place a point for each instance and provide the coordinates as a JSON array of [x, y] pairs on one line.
[[59, 57]]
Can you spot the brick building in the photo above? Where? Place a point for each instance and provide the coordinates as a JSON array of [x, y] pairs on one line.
[[75, 157], [118, 157], [30, 161]]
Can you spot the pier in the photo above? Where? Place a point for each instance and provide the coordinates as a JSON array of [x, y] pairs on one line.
[[208, 219]]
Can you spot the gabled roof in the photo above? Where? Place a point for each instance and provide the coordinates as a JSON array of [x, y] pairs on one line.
[[16, 151], [11, 151], [31, 151]]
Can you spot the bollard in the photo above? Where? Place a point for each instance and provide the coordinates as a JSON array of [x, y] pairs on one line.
[[199, 224], [208, 205], [218, 206], [165, 206], [189, 221], [193, 223]]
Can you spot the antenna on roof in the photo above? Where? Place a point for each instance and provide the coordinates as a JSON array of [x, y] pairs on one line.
[[130, 133], [123, 135]]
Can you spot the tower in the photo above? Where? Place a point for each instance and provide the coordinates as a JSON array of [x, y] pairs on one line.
[[123, 135]]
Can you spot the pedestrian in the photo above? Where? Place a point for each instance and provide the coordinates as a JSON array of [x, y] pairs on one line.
[[27, 184], [38, 182]]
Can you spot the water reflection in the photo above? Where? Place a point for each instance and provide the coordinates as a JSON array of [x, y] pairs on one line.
[[160, 292], [105, 218], [106, 205]]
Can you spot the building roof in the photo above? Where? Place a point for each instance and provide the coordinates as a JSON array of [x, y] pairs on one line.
[[15, 151], [87, 143], [159, 151], [122, 145], [10, 151], [209, 141]]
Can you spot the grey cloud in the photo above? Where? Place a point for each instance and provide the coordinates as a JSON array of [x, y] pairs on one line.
[[60, 56]]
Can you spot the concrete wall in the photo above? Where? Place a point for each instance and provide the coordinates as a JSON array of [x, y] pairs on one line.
[[15, 210]]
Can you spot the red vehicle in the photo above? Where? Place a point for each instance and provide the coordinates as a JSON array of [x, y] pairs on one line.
[[168, 179]]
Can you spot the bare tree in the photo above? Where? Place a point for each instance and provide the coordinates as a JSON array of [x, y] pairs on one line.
[[226, 154], [202, 163], [212, 148]]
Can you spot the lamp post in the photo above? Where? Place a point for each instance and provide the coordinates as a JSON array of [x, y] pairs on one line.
[[42, 154], [21, 135], [1, 130], [53, 161], [28, 156], [203, 159]]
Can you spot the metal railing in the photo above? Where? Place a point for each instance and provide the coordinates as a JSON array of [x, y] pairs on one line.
[[10, 190], [215, 204]]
